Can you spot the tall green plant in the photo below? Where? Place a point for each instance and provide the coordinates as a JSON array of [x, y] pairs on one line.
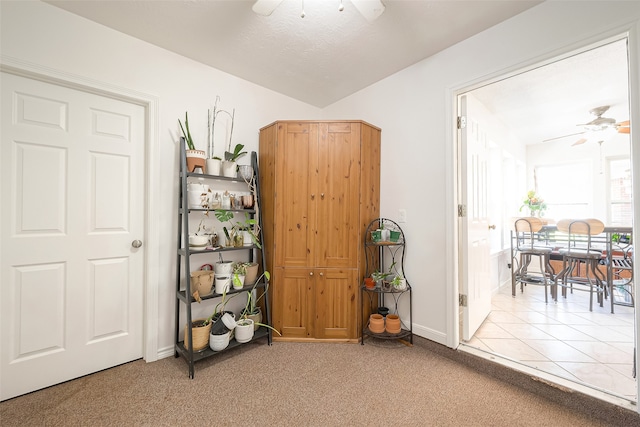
[[187, 134], [249, 224], [237, 153]]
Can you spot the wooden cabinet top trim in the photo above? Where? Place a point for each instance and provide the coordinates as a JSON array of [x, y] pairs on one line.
[[320, 121]]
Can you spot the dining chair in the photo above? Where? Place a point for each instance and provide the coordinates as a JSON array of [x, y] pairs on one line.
[[581, 251], [527, 247]]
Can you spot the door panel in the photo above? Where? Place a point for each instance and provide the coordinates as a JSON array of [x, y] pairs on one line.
[[474, 229], [72, 189], [339, 195], [336, 304], [297, 145], [292, 299]]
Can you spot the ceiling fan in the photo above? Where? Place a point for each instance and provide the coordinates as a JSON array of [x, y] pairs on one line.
[[370, 9], [598, 124]]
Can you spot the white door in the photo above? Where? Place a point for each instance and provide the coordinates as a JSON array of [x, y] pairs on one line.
[[71, 189], [474, 227]]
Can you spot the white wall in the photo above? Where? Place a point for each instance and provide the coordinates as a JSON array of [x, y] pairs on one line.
[[615, 146], [414, 108], [40, 34]]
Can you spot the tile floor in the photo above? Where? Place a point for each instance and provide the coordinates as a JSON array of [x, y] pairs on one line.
[[564, 338]]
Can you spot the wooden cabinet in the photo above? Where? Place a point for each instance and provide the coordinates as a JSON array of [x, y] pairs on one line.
[[320, 184]]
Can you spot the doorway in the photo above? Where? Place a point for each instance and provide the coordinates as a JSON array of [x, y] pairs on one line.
[[73, 177], [523, 109]]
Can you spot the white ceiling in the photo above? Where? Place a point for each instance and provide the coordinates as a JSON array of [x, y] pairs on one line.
[[329, 55], [550, 101], [318, 59]]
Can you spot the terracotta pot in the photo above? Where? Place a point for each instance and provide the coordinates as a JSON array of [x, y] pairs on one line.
[[369, 283], [195, 159], [393, 324], [376, 323]]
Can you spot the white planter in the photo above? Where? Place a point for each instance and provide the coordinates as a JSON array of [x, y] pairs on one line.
[[213, 166], [198, 195], [238, 281], [229, 169], [223, 268], [223, 283], [244, 330], [402, 285], [248, 241], [219, 342]]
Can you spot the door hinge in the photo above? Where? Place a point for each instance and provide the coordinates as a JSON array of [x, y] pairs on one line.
[[462, 300], [462, 122], [462, 211]]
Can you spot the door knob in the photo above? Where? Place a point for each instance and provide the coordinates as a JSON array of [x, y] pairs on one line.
[[492, 227], [136, 243]]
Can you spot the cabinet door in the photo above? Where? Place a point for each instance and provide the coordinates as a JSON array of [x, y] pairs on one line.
[[338, 192], [295, 178], [336, 303], [292, 301]]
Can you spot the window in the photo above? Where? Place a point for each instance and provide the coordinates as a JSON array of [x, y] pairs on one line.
[[566, 189], [620, 210]]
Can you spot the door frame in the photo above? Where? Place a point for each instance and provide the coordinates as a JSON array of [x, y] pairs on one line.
[[453, 184], [151, 181]]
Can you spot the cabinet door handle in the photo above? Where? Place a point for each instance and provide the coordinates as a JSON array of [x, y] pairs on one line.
[[313, 196], [311, 273], [321, 274], [322, 196]]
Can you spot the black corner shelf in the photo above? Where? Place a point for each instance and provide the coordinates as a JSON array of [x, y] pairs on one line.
[[385, 253]]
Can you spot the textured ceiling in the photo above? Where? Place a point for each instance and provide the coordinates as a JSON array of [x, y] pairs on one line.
[[318, 59], [329, 55], [550, 101]]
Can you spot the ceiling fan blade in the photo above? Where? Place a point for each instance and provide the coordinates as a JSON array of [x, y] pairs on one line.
[[563, 136], [370, 9], [579, 142], [624, 127], [265, 7]]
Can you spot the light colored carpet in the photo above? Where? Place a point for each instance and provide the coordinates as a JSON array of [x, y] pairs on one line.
[[301, 384]]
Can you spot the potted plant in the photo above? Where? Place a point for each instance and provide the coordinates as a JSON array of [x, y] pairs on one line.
[[214, 163], [379, 276], [244, 330], [535, 204], [195, 158], [229, 165], [252, 272], [252, 309], [399, 283], [200, 329], [249, 224], [239, 274]]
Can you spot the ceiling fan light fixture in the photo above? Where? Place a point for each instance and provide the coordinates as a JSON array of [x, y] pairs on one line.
[[265, 7], [370, 9]]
